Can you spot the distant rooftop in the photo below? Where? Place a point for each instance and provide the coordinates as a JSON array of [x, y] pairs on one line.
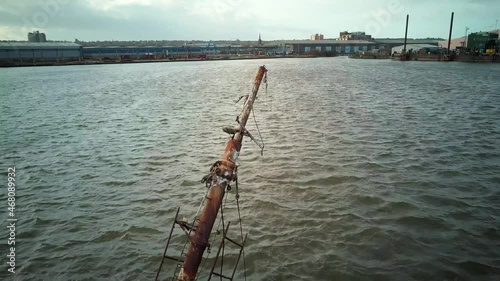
[[318, 42], [126, 47], [415, 47], [409, 40], [37, 45], [356, 42]]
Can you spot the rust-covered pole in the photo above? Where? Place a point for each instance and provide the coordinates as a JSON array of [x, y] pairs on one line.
[[220, 181], [406, 31], [451, 30]]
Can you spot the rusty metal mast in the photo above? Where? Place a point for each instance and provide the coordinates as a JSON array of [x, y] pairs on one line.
[[224, 173]]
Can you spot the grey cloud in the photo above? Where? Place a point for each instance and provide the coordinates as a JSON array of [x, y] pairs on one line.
[[182, 20]]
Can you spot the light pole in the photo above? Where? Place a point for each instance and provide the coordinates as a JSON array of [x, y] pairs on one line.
[[466, 33]]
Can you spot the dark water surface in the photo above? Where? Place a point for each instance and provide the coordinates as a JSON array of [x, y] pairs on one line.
[[373, 170]]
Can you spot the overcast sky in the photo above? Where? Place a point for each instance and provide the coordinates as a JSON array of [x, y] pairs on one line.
[[90, 20]]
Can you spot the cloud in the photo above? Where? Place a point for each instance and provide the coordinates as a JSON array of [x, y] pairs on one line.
[[231, 19], [112, 4]]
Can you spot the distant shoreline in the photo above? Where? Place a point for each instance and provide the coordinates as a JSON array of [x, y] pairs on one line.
[[467, 59], [106, 62]]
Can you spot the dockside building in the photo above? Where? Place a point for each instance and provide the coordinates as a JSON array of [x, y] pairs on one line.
[[37, 52]]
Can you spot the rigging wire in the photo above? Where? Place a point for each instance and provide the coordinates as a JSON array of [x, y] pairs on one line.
[[258, 130], [241, 229], [223, 241]]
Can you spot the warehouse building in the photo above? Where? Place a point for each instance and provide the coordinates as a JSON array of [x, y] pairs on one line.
[[117, 52], [159, 52], [340, 46], [38, 52], [388, 44], [418, 48], [312, 46]]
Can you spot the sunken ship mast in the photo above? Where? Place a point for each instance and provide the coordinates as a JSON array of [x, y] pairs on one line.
[[222, 173]]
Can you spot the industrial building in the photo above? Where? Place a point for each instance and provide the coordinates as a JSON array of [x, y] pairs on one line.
[[478, 41], [38, 52], [417, 48], [340, 46], [36, 36], [317, 36], [187, 50], [482, 41], [120, 53], [336, 46], [454, 44], [391, 43], [358, 35]]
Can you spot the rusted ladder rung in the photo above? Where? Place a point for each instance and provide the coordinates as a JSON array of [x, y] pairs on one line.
[[234, 242], [187, 225], [239, 256], [174, 259], [168, 243], [221, 275]]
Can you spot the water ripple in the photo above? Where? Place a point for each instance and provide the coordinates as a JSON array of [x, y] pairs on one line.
[[373, 170]]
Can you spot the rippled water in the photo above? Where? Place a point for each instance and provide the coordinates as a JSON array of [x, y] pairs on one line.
[[373, 170]]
